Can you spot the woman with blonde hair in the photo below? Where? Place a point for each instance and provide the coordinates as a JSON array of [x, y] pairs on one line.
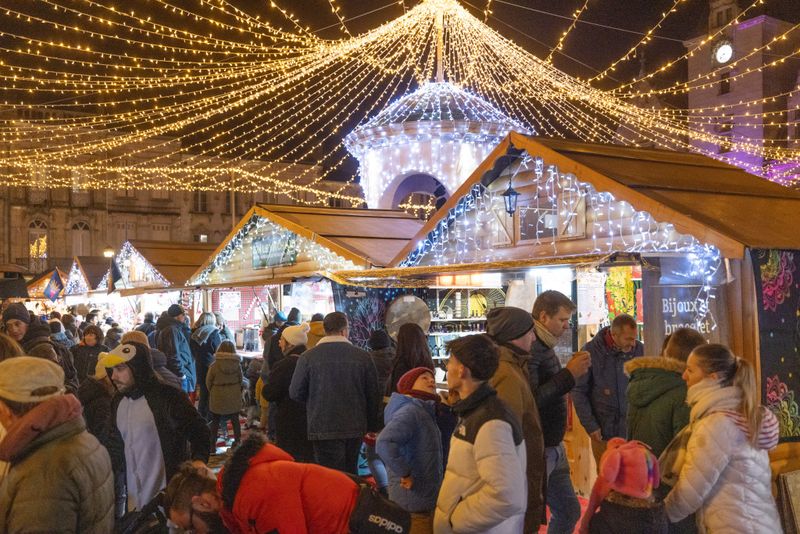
[[720, 459]]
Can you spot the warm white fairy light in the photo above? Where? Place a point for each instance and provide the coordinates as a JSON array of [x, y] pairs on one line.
[[260, 226], [468, 232], [247, 91], [76, 283]]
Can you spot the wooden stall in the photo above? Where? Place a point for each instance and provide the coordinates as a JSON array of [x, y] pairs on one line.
[[281, 256], [705, 240]]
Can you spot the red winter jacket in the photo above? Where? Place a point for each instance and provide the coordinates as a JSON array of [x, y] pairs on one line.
[[279, 494]]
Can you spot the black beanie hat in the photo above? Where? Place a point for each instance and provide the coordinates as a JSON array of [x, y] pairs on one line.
[[508, 323], [378, 340], [17, 311]]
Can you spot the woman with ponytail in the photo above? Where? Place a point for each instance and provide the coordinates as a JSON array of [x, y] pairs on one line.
[[718, 465]]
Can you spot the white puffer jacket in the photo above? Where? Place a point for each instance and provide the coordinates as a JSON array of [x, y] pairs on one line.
[[724, 478], [484, 489]]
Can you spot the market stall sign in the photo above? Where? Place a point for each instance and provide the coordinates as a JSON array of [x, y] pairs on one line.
[[275, 251]]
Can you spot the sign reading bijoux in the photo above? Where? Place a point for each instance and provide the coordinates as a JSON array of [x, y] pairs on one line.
[[276, 250]]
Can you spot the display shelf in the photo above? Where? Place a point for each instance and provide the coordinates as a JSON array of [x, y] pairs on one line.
[[463, 333], [460, 319]]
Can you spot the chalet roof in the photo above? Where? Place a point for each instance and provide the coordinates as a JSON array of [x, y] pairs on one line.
[[367, 237], [175, 261], [93, 268], [717, 203]]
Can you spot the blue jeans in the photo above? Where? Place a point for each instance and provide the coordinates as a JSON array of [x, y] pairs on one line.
[[565, 511], [377, 468]]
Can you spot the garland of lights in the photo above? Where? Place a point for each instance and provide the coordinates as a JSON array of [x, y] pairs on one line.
[[128, 258], [467, 233], [199, 110], [260, 226], [76, 283]]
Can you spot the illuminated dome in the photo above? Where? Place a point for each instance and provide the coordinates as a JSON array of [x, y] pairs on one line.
[[427, 143]]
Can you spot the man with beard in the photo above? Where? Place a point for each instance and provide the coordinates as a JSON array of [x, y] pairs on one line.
[[152, 425], [261, 489], [34, 336]]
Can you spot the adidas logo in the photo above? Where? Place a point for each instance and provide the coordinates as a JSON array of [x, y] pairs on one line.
[[382, 522]]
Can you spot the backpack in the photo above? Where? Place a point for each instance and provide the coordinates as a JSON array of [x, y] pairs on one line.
[[149, 520]]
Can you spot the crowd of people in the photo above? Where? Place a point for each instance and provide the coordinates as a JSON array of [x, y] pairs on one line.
[[96, 423]]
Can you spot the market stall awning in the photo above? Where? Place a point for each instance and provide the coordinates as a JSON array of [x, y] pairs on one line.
[[279, 243], [716, 203], [421, 276]]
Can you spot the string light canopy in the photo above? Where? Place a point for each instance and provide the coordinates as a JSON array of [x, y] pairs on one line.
[[202, 98]]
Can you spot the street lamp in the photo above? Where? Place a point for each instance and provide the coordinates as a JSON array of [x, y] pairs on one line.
[[510, 199], [108, 252]]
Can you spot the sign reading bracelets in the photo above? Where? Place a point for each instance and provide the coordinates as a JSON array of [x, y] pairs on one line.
[[276, 250]]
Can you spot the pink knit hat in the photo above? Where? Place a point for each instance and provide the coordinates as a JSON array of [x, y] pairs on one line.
[[627, 467]]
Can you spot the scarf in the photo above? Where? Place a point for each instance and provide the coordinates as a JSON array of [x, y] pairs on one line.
[[201, 335], [704, 398], [544, 335], [424, 395], [47, 415]]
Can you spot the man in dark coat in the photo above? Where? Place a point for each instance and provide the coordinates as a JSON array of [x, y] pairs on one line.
[[550, 384], [154, 425], [600, 395], [338, 383], [383, 352], [148, 325], [173, 340], [34, 337], [275, 352]]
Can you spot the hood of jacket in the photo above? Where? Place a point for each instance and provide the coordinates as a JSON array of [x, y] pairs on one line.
[[398, 401], [38, 332], [227, 363], [165, 321], [652, 377], [61, 337]]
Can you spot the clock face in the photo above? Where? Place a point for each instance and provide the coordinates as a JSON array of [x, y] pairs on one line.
[[723, 52]]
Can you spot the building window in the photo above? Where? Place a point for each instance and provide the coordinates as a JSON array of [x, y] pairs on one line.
[[724, 83], [200, 201], [728, 15], [37, 245], [160, 232], [336, 202], [227, 196], [720, 16], [81, 239], [201, 238], [159, 194]]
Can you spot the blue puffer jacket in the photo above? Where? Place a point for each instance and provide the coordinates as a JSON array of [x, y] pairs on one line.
[[411, 444], [600, 395]]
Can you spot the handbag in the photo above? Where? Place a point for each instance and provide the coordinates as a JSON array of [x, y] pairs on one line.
[[375, 514]]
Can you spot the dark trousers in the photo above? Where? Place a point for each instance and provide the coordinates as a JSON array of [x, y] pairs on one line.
[[341, 454], [217, 419]]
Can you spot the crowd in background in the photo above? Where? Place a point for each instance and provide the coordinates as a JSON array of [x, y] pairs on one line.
[[97, 423]]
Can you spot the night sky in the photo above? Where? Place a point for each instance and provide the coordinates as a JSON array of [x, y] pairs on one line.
[[538, 32]]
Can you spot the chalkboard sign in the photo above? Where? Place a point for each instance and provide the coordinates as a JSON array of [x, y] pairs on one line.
[[275, 250]]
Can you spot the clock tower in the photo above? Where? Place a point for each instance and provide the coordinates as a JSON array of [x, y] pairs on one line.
[[731, 66]]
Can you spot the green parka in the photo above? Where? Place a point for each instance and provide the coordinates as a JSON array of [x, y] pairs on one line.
[[657, 408]]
